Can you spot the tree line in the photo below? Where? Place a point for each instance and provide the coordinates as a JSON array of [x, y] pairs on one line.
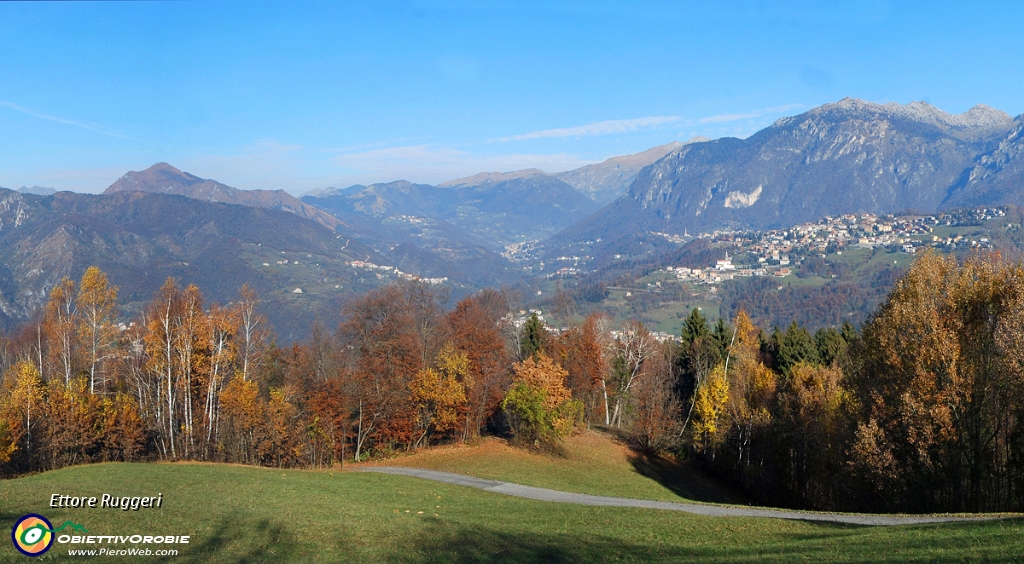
[[918, 411], [922, 411]]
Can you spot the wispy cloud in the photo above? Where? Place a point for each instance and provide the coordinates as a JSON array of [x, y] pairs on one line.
[[84, 125], [723, 118], [434, 164], [627, 125], [597, 128]]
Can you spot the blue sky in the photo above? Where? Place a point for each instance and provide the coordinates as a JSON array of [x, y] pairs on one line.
[[301, 96]]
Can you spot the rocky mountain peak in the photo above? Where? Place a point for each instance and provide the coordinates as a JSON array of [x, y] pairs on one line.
[[980, 117], [161, 177], [851, 156]]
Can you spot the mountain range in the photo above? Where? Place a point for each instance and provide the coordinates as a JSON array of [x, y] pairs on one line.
[[141, 239], [601, 182], [850, 156], [163, 178]]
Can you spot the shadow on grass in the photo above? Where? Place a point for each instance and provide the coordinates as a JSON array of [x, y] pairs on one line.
[[237, 540], [686, 479], [854, 545]]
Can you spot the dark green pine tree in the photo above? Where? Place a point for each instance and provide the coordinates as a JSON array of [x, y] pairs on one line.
[[830, 344], [849, 332], [533, 343], [695, 327], [722, 336], [696, 354], [794, 346]]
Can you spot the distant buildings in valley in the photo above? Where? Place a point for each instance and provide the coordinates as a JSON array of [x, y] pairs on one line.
[[382, 270], [778, 249]]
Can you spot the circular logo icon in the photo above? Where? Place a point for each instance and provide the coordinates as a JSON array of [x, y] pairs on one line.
[[32, 535]]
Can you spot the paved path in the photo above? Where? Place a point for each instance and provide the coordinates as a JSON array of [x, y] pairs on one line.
[[544, 494]]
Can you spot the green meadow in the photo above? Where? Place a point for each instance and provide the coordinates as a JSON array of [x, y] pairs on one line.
[[245, 514]]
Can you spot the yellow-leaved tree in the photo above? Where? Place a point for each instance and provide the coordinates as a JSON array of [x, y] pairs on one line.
[[97, 313], [752, 387], [709, 407], [440, 393], [20, 408]]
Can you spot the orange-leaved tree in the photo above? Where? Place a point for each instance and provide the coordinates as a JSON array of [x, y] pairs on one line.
[[539, 407]]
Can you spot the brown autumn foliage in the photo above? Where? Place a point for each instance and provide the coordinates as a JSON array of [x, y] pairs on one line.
[[474, 330], [922, 412]]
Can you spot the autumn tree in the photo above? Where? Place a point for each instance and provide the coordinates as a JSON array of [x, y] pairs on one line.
[[278, 446], [752, 387], [8, 441], [97, 313], [251, 341], [656, 420], [221, 331], [439, 393], [60, 321], [72, 419], [539, 407], [709, 409], [474, 330], [939, 379], [191, 338], [588, 350], [633, 347], [161, 338], [123, 432], [244, 411], [698, 354], [21, 410], [815, 422], [328, 405], [386, 346]]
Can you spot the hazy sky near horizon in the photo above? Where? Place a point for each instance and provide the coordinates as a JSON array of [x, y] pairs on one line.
[[302, 95]]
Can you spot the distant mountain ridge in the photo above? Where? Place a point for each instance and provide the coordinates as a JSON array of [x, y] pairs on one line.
[[851, 156], [163, 178], [140, 239], [495, 213], [492, 178], [605, 181], [601, 182], [37, 190]]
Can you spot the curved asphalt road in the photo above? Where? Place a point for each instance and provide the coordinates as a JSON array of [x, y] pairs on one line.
[[544, 494]]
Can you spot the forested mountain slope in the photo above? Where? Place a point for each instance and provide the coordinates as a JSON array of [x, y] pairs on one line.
[[141, 239]]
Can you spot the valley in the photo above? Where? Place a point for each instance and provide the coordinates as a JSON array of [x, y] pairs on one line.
[[829, 205]]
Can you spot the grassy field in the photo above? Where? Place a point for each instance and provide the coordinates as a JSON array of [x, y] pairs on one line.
[[591, 463], [243, 514]]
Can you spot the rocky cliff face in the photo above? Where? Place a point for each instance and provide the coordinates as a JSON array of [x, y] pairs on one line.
[[996, 177]]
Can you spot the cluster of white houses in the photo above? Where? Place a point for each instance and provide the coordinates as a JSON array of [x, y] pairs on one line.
[[724, 269], [777, 249], [519, 321], [384, 270]]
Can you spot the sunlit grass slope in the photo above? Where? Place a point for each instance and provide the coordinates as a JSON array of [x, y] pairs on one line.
[[590, 462], [242, 514]]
